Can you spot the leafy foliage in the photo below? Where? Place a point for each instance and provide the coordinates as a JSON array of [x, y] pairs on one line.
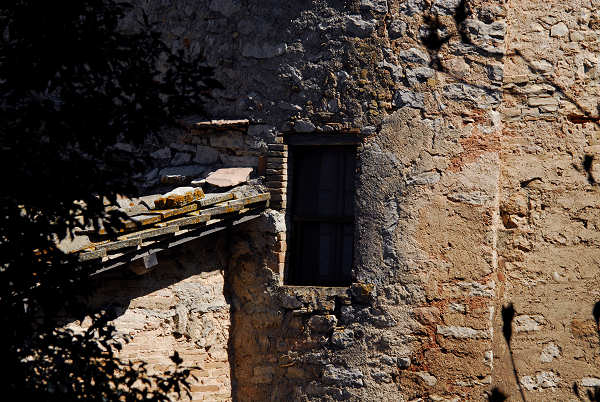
[[72, 84]]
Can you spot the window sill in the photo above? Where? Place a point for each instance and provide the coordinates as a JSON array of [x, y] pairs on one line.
[[311, 299], [323, 290]]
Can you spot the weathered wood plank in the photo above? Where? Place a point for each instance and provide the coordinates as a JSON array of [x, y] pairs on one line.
[[185, 221], [118, 244], [158, 245], [257, 198], [92, 255], [153, 232], [142, 220], [227, 207], [132, 223], [167, 213], [212, 199]]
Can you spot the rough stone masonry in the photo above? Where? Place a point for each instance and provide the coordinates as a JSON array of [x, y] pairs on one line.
[[477, 186]]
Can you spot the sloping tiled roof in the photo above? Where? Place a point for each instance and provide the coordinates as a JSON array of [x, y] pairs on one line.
[[156, 223]]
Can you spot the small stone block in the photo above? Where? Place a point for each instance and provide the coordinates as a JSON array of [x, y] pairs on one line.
[[275, 159], [277, 179], [277, 176], [278, 197], [281, 257], [277, 171], [277, 147], [276, 163], [276, 184], [278, 154]]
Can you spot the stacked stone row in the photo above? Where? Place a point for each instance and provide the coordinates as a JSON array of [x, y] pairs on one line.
[[277, 174], [204, 146]]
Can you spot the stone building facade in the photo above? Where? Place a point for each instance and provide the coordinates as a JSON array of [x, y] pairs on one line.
[[476, 186]]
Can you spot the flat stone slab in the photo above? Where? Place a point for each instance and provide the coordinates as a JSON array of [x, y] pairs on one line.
[[228, 177], [221, 123], [195, 122]]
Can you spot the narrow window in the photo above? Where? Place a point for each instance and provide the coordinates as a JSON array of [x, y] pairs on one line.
[[322, 215]]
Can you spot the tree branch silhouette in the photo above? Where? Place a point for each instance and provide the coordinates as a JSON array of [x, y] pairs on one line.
[[72, 84], [508, 315]]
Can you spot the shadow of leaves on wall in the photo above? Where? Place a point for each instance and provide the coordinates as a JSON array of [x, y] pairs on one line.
[[497, 395], [508, 315], [593, 395], [433, 38]]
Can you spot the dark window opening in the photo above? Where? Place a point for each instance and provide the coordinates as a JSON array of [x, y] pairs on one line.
[[322, 215]]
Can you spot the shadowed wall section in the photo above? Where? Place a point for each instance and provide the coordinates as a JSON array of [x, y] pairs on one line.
[[548, 239], [179, 306]]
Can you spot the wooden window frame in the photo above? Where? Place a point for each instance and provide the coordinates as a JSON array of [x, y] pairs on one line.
[[296, 274]]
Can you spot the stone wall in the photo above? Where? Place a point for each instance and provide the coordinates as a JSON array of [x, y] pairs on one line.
[[423, 83], [476, 187], [180, 155], [180, 306], [548, 241], [183, 304]]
